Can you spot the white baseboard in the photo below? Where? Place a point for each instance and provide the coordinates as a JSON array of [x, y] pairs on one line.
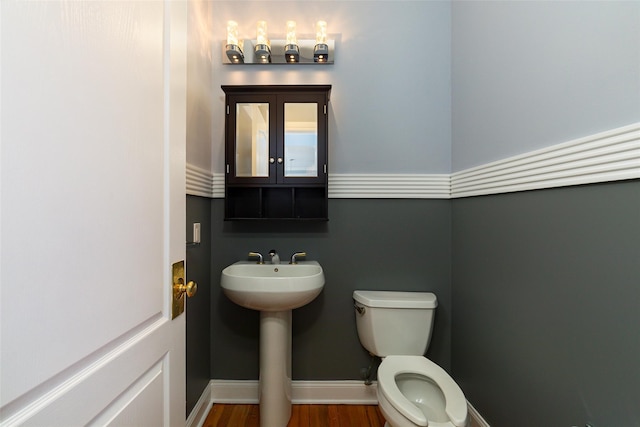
[[234, 391], [475, 418], [302, 392], [199, 412]]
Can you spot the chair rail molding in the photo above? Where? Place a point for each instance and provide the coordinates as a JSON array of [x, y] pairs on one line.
[[201, 182], [389, 186], [613, 155]]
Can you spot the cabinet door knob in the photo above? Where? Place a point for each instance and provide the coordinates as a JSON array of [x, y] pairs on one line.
[[272, 160], [279, 160]]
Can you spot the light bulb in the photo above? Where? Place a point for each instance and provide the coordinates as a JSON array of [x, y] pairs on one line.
[[321, 32], [232, 32], [291, 33], [321, 49], [261, 33]]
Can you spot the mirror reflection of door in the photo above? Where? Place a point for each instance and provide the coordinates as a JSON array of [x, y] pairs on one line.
[[252, 139], [300, 139]]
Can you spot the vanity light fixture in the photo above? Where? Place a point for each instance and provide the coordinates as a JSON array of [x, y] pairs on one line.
[[234, 46], [321, 49], [263, 46], [291, 49]]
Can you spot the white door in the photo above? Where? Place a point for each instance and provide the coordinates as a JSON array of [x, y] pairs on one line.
[[92, 212]]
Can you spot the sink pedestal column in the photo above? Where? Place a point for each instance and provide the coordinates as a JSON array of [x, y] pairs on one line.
[[275, 368]]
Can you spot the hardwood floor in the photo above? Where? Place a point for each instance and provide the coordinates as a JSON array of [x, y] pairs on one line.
[[223, 415]]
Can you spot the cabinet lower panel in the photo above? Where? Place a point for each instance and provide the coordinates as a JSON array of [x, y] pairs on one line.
[[246, 203], [243, 202], [310, 203], [277, 202]]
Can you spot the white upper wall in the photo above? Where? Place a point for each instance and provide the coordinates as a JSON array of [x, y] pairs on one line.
[[200, 90], [390, 101], [522, 76], [527, 75]]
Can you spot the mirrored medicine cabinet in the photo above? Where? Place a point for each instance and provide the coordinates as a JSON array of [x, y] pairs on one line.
[[276, 152]]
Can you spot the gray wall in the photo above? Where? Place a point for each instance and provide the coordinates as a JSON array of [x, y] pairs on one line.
[[545, 283], [367, 244], [198, 209], [386, 116], [198, 308], [546, 305], [527, 75]]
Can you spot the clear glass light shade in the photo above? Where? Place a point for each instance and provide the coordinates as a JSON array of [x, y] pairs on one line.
[[234, 46], [321, 32], [291, 33], [261, 33], [232, 32]]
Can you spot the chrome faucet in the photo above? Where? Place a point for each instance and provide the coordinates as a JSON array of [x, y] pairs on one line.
[[256, 254], [295, 256], [275, 258]]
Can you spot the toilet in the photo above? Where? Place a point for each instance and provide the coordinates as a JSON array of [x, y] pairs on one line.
[[412, 390]]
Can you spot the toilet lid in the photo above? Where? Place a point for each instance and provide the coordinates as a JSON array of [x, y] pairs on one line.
[[392, 366], [396, 299]]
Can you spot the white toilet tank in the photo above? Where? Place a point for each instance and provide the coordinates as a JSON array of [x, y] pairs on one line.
[[395, 323]]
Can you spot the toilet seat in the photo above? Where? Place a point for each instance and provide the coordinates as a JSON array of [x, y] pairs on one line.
[[392, 366]]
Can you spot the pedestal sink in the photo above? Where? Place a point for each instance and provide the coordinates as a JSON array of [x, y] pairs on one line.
[[274, 290]]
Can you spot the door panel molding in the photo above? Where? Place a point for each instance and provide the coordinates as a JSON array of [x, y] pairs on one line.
[[103, 376]]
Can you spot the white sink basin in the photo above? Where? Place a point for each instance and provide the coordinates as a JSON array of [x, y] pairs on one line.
[[272, 287]]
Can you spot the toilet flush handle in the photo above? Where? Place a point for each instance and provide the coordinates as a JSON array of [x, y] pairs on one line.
[[361, 310]]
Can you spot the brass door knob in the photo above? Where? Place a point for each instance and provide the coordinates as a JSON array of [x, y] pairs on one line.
[[190, 288]]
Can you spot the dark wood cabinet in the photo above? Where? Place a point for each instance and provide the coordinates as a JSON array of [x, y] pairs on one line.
[[276, 152]]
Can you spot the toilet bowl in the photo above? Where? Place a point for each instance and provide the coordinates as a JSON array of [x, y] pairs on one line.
[[414, 391]]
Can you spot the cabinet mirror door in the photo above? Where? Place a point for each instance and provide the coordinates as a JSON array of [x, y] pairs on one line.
[[300, 139], [252, 139]]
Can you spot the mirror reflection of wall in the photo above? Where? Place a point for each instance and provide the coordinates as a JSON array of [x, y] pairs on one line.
[[252, 139], [300, 139]]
